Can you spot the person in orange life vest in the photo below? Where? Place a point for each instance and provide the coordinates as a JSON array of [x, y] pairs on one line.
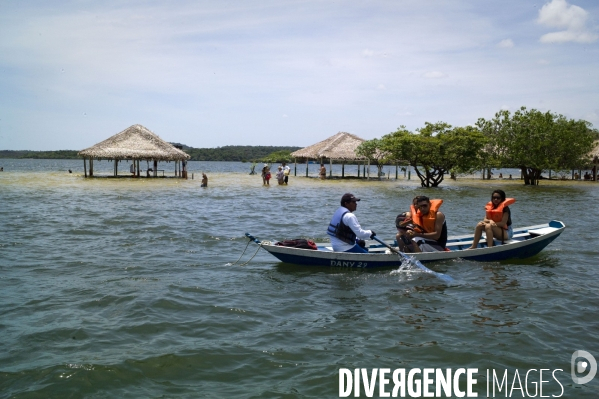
[[433, 233], [497, 222]]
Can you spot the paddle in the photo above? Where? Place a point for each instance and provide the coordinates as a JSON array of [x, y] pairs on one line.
[[442, 276]]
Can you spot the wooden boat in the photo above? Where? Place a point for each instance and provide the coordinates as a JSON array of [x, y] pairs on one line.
[[526, 242]]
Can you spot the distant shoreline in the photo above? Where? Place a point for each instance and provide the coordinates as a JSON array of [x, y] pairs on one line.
[[232, 153]]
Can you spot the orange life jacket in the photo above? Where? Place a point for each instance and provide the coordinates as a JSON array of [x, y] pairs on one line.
[[427, 221], [496, 214]]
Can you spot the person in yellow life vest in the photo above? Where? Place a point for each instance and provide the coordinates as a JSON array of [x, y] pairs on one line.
[[497, 222], [430, 234]]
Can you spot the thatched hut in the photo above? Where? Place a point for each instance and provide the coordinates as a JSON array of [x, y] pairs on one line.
[[340, 147], [134, 143], [595, 158]]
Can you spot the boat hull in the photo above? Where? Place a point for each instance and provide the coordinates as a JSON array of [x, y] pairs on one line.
[[527, 242]]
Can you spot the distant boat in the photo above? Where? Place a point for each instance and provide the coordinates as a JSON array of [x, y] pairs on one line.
[[526, 242]]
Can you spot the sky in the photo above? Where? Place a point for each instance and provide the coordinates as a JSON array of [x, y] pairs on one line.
[[285, 72]]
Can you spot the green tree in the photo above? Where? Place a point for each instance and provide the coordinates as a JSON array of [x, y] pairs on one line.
[[372, 149], [436, 149], [534, 141], [278, 157], [464, 149]]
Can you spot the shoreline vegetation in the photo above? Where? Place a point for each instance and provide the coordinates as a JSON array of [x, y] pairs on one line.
[[230, 153], [531, 141]]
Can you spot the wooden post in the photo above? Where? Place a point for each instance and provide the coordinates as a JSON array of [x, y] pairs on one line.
[[294, 166], [396, 171], [91, 167], [343, 169], [368, 168], [306, 167], [330, 167], [155, 168], [84, 167]]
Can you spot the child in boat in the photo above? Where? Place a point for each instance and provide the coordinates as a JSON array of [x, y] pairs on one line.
[[403, 223]]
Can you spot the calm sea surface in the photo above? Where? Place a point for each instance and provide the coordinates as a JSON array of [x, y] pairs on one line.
[[124, 288]]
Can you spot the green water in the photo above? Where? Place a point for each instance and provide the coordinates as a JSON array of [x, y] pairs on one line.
[[123, 288]]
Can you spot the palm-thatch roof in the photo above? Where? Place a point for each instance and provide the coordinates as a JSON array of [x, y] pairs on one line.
[[135, 142], [341, 146], [595, 152]]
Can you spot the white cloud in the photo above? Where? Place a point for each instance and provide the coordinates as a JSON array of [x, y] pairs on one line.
[[434, 75], [367, 53], [381, 87], [568, 36], [505, 43], [573, 19]]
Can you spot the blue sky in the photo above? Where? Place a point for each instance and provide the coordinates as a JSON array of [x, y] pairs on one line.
[[285, 72]]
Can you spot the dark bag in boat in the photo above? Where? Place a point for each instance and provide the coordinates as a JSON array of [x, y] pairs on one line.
[[404, 222], [298, 243], [399, 220]]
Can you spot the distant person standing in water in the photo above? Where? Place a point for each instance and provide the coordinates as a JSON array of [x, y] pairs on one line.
[[264, 172], [323, 172], [280, 175], [204, 180], [286, 171]]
